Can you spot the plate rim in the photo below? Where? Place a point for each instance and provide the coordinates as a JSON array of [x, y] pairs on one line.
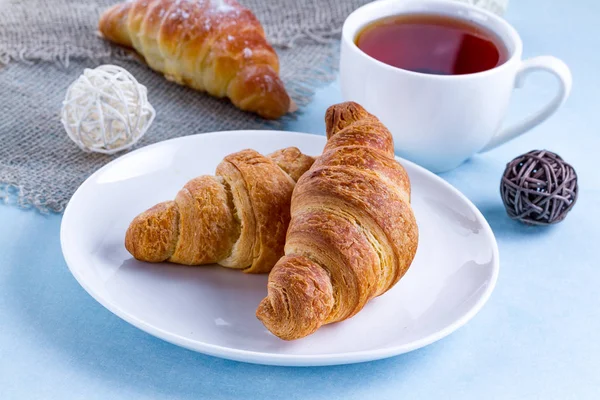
[[255, 357]]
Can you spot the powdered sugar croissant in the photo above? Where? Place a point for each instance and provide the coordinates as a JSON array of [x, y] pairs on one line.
[[216, 46]]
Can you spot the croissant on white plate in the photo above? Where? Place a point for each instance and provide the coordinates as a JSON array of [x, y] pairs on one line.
[[237, 218], [352, 233]]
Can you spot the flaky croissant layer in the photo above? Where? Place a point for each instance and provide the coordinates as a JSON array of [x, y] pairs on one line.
[[216, 46], [352, 234]]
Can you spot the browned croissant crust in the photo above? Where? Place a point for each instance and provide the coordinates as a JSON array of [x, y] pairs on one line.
[[353, 234], [237, 218], [216, 46]]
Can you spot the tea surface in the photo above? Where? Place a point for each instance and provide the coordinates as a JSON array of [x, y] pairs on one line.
[[432, 44]]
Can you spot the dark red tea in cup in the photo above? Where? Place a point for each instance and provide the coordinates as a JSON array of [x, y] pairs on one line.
[[432, 44]]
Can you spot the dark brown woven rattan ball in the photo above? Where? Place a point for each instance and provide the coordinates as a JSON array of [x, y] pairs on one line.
[[539, 188]]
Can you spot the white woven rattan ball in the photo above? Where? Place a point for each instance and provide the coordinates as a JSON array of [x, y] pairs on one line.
[[106, 110]]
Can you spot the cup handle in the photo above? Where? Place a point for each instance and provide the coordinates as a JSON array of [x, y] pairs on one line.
[[542, 63]]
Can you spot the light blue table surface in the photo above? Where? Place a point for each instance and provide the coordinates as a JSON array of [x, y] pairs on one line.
[[537, 338]]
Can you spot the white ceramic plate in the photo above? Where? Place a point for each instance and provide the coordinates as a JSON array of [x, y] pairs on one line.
[[211, 309]]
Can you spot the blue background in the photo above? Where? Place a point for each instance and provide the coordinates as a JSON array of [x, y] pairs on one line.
[[537, 338]]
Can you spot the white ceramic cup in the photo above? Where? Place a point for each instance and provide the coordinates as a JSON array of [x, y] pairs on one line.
[[439, 121]]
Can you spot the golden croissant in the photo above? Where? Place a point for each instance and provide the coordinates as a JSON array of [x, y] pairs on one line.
[[352, 235], [216, 46], [237, 218]]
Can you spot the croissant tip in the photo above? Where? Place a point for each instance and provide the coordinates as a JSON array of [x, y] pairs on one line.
[[293, 106], [346, 106], [339, 116]]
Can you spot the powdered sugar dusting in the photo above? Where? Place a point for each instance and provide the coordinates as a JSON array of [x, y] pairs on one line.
[[269, 82], [247, 53], [215, 12], [220, 6], [179, 13]]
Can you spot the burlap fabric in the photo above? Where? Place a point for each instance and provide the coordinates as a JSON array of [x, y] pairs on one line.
[[46, 44]]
